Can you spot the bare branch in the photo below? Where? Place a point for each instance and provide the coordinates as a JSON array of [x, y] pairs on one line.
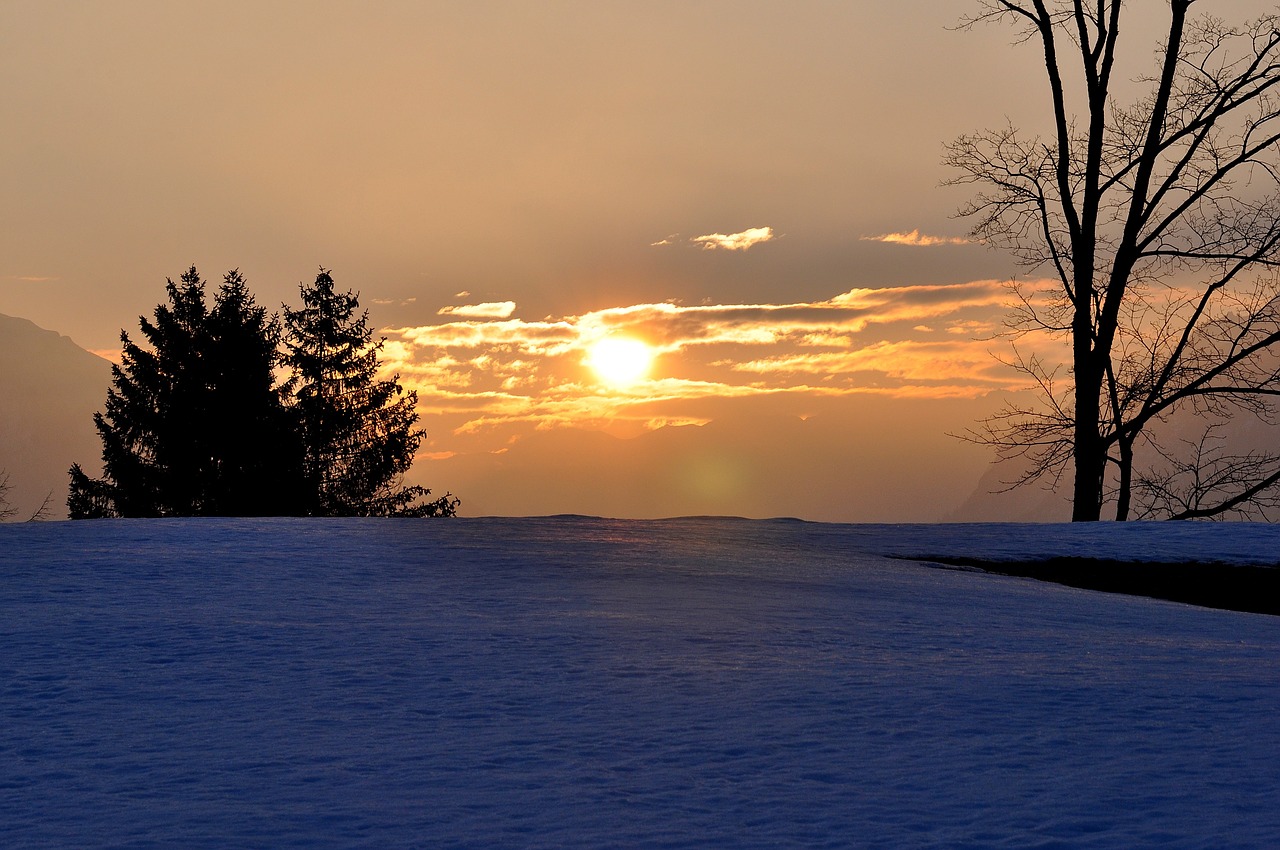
[[41, 513], [6, 510]]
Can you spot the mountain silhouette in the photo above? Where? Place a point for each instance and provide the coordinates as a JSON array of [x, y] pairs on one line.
[[49, 390]]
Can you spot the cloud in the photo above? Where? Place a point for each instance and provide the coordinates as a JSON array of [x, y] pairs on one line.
[[478, 377], [734, 241], [544, 339], [917, 363], [673, 326], [917, 239], [488, 310]]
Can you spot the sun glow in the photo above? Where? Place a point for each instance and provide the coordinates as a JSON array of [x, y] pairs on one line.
[[620, 361]]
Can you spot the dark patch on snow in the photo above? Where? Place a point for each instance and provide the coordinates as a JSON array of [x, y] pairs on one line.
[[1209, 584]]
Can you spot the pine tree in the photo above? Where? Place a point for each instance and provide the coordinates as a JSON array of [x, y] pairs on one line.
[[251, 431], [195, 425], [358, 431]]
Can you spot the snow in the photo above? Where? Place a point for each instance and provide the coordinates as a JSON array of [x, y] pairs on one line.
[[573, 682]]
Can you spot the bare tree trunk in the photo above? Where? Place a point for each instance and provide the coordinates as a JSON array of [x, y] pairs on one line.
[[1124, 497], [1089, 453], [1089, 450]]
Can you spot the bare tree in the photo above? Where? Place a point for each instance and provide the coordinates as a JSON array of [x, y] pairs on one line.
[[41, 513], [1205, 481], [6, 510], [1153, 219]]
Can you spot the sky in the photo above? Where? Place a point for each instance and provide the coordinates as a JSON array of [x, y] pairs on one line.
[[747, 193]]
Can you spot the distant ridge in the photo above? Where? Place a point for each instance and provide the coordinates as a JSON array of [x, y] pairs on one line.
[[993, 500], [49, 390]]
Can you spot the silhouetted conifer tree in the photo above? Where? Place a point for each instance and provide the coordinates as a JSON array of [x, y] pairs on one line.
[[196, 425], [90, 498], [253, 433], [358, 431]]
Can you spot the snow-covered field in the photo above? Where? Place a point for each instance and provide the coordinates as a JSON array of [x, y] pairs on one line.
[[570, 682]]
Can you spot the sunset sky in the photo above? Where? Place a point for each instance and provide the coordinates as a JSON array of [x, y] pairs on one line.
[[747, 192]]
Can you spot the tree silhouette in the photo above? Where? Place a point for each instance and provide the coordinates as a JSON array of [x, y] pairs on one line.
[[6, 510], [195, 424], [1151, 218], [357, 431], [253, 433], [90, 498]]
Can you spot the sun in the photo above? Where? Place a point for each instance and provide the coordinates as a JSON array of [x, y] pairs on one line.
[[620, 361]]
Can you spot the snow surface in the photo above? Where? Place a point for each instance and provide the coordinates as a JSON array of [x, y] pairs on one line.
[[570, 682]]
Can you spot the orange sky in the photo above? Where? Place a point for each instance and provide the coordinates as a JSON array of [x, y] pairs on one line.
[[752, 188], [798, 400]]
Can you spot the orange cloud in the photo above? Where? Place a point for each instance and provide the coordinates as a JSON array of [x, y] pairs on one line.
[[908, 361], [487, 310], [537, 338], [734, 241], [917, 239], [477, 375], [673, 326]]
